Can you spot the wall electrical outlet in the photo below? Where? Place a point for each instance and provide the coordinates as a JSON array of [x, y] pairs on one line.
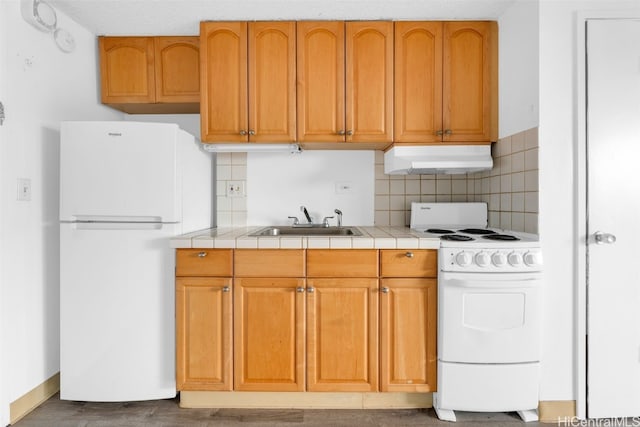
[[235, 189], [344, 187], [24, 189]]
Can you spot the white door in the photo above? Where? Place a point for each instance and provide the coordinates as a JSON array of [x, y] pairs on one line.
[[489, 318], [613, 199], [111, 170], [117, 304]]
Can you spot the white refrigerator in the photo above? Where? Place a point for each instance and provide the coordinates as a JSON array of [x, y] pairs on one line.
[[125, 189]]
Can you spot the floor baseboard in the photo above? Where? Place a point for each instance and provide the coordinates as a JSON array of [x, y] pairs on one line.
[[303, 400], [30, 401], [554, 411]]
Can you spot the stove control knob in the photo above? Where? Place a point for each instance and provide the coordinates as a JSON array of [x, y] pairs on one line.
[[499, 259], [532, 259], [515, 259], [482, 259], [463, 259]]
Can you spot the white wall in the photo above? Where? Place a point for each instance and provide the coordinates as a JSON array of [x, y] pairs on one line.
[[278, 184], [42, 86], [3, 90], [518, 69]]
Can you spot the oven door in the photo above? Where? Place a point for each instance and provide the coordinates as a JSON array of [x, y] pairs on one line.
[[489, 317]]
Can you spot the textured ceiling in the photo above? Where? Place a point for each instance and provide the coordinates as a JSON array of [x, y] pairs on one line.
[[181, 17]]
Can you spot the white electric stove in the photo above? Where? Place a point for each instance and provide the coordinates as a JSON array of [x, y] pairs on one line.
[[489, 285]]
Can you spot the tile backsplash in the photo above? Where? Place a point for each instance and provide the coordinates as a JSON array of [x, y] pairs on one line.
[[510, 189], [232, 211]]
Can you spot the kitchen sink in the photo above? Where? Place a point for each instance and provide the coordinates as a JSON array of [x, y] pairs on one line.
[[307, 231]]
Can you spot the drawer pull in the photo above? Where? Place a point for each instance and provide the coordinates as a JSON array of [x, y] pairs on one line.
[[311, 289], [300, 289], [202, 254], [384, 290], [226, 289], [409, 254]]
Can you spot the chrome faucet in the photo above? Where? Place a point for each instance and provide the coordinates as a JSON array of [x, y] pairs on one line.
[[306, 214], [339, 213]]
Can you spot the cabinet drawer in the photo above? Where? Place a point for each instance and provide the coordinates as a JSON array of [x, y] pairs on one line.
[[409, 263], [269, 263], [342, 263], [204, 262]]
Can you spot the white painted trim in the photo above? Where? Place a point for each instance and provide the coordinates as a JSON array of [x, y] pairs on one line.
[[581, 198]]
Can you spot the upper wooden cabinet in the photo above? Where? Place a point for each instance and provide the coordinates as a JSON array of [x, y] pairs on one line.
[[150, 74], [321, 80], [345, 81], [446, 86], [248, 81], [177, 69]]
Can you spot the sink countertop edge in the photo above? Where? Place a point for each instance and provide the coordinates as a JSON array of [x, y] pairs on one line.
[[386, 237]]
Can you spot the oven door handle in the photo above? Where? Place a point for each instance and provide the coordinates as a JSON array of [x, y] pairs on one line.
[[531, 282]]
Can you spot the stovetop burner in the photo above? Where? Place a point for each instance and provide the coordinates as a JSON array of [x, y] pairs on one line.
[[439, 231], [456, 238], [502, 237], [478, 231]]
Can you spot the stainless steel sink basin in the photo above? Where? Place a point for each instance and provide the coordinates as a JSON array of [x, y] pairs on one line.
[[307, 231]]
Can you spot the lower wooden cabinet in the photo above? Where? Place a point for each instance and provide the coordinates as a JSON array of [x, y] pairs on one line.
[[203, 333], [280, 322], [269, 334], [408, 334], [342, 334]]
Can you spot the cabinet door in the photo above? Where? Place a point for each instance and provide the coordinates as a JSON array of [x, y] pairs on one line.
[[470, 81], [203, 329], [408, 335], [177, 64], [223, 62], [418, 82], [342, 334], [369, 83], [272, 81], [127, 69], [269, 334], [321, 74]]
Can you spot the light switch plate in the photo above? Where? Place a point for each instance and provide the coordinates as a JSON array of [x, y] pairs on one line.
[[24, 189]]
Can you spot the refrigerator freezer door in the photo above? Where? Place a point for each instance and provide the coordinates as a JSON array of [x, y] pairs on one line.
[[116, 314], [119, 169]]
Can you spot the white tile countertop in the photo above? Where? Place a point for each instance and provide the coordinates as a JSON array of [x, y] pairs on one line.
[[372, 238]]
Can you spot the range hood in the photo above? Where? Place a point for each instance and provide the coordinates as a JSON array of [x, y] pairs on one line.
[[437, 159]]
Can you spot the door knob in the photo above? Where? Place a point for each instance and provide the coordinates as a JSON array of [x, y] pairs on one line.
[[604, 238]]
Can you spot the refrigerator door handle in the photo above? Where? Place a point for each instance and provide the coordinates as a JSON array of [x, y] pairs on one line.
[[96, 225], [113, 218]]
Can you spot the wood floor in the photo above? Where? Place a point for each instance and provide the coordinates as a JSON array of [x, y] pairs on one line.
[[166, 413]]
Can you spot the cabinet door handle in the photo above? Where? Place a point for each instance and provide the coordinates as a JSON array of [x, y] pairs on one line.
[[384, 290], [311, 289], [202, 254], [243, 132], [409, 254], [448, 132], [300, 289], [439, 132], [341, 132], [226, 289], [349, 132], [252, 132]]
